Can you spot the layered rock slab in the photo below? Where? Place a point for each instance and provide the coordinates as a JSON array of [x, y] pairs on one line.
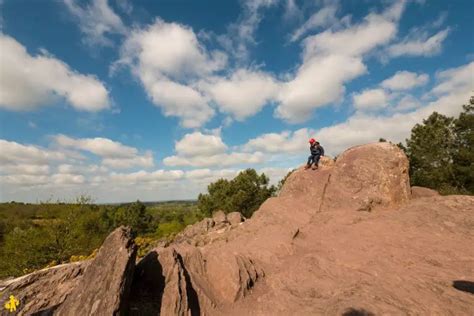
[[105, 285], [43, 291]]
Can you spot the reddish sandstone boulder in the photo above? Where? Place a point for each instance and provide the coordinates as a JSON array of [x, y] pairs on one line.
[[105, 285], [421, 192]]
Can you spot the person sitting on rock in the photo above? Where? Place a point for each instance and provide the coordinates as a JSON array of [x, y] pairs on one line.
[[316, 152]]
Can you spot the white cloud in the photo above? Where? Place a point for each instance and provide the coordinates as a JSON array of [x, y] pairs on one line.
[[405, 80], [145, 160], [198, 144], [114, 154], [453, 88], [330, 59], [208, 175], [64, 178], [407, 102], [419, 44], [29, 169], [284, 142], [235, 158], [103, 147], [317, 83], [27, 82], [200, 150], [375, 30], [244, 93], [24, 180], [326, 16], [180, 100], [81, 169], [18, 154], [97, 20], [370, 99], [453, 80], [168, 58], [143, 176]]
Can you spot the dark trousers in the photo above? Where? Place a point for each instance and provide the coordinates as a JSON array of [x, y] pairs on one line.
[[313, 159]]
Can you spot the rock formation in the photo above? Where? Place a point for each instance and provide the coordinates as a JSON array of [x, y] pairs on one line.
[[351, 238]]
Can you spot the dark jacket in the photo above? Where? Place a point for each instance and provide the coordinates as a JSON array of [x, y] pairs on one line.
[[316, 150]]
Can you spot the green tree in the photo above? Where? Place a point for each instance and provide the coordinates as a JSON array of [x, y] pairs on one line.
[[134, 215], [463, 154], [245, 193], [429, 150], [441, 152]]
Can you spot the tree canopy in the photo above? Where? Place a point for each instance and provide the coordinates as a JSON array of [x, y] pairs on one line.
[[245, 193], [441, 152]]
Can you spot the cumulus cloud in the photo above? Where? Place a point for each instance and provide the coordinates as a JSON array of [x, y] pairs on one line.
[[114, 154], [332, 58], [226, 159], [283, 142], [405, 80], [407, 102], [198, 144], [168, 58], [318, 82], [18, 154], [27, 82], [243, 94], [200, 150], [97, 20], [371, 99], [455, 80], [419, 43], [30, 169]]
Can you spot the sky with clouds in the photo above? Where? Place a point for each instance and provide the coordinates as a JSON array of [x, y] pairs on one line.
[[152, 100]]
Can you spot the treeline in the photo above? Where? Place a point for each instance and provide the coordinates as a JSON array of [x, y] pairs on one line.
[[33, 236]]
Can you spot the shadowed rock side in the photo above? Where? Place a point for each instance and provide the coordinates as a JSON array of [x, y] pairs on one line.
[[346, 239]]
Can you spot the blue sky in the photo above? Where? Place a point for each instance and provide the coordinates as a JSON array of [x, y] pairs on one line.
[[152, 100]]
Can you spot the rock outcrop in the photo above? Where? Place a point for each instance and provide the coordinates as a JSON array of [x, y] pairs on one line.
[[209, 229], [105, 285], [43, 291], [351, 238]]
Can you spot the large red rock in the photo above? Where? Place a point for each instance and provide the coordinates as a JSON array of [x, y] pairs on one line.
[[105, 285], [368, 176], [41, 292]]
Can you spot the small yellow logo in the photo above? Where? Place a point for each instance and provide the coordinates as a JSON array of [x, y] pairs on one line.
[[12, 304]]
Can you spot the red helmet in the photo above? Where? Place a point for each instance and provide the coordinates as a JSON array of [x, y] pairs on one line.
[[312, 141]]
